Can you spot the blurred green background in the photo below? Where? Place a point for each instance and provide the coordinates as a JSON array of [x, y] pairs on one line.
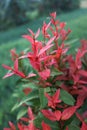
[[16, 16]]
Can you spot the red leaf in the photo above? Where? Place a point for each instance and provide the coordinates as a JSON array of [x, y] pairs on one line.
[[31, 32], [45, 126], [19, 73], [68, 112], [37, 33], [12, 126], [45, 74], [50, 41], [7, 67], [47, 26], [80, 100], [25, 119], [57, 115], [83, 73], [31, 75], [16, 64], [62, 24], [30, 114], [13, 54], [31, 126], [29, 38], [49, 114], [53, 100], [8, 75], [45, 48], [27, 90], [78, 59], [53, 15], [56, 96], [79, 117], [84, 126], [25, 56], [6, 129], [67, 128], [84, 115]]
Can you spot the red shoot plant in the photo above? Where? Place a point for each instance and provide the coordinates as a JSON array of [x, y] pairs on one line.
[[55, 89]]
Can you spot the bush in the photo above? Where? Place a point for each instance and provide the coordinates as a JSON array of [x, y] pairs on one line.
[[12, 13], [54, 85], [70, 4], [61, 5]]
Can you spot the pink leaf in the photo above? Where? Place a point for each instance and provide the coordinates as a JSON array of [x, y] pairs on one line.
[[7, 67], [68, 112], [50, 41], [53, 15], [67, 128], [49, 114], [62, 24], [19, 73], [25, 119], [7, 129], [12, 126], [45, 126], [37, 33], [31, 75], [31, 127], [30, 114], [16, 64], [45, 48], [83, 73], [56, 96], [31, 32], [45, 74], [53, 100], [27, 90], [47, 26], [29, 38], [22, 57], [84, 126], [8, 75], [57, 115], [13, 54]]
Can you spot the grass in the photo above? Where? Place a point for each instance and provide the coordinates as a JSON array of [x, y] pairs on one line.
[[76, 20]]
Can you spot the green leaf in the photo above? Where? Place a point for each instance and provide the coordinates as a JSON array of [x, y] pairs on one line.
[[73, 127], [66, 97], [30, 98], [40, 118], [55, 72], [21, 113], [43, 99]]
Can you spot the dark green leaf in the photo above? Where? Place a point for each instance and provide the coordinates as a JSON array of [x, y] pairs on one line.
[[55, 72], [21, 113], [66, 97], [43, 99], [73, 127], [32, 96], [40, 118]]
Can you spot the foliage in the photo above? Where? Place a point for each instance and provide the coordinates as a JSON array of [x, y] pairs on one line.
[[63, 5], [54, 86], [72, 18], [11, 39], [12, 13], [70, 4], [16, 12]]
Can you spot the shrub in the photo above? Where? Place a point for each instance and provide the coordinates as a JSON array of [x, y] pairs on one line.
[[54, 87], [70, 4], [61, 5]]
